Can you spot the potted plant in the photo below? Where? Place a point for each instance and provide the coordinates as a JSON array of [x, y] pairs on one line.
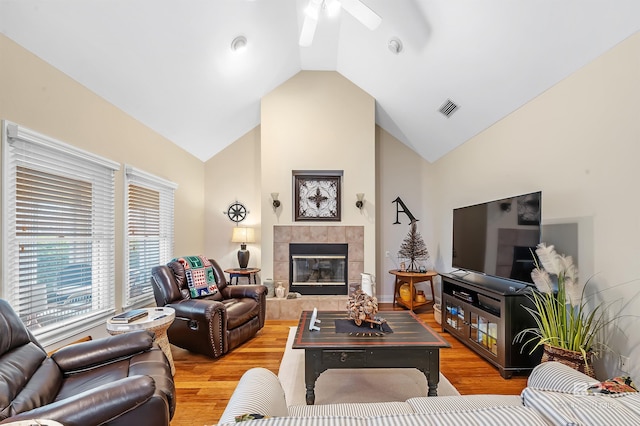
[[565, 326]]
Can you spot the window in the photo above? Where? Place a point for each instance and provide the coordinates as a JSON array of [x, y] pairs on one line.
[[59, 234], [149, 233]]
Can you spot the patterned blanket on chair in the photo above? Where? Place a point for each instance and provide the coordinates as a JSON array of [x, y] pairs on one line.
[[200, 277]]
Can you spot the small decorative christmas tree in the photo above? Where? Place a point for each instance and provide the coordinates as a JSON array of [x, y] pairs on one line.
[[413, 248]]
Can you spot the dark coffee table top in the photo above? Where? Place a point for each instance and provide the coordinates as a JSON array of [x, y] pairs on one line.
[[408, 331]]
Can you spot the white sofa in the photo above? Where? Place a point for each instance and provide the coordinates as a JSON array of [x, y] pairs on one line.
[[555, 395]]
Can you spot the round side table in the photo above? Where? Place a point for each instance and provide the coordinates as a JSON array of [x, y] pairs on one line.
[[158, 321], [239, 272], [411, 278]]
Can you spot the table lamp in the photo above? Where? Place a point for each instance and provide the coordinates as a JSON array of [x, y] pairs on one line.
[[243, 236]]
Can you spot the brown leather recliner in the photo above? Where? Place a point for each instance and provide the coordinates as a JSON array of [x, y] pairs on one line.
[[117, 381], [211, 325]]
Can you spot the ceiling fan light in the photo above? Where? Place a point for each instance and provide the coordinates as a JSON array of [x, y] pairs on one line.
[[307, 32], [333, 7], [362, 13], [313, 9], [239, 43], [395, 45]]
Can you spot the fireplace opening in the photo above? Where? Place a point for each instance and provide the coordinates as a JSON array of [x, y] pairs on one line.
[[318, 268]]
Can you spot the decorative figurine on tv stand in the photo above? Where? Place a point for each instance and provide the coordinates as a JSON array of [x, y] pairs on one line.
[[362, 308]]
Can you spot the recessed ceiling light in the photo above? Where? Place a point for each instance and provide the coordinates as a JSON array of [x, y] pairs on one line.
[[239, 43], [395, 45]]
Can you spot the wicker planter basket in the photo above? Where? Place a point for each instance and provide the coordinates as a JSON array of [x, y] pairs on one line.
[[572, 359], [437, 313]]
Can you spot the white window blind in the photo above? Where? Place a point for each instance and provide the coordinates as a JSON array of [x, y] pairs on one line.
[[59, 234], [149, 232]]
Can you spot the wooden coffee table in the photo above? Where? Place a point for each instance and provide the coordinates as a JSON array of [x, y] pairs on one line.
[[413, 344]]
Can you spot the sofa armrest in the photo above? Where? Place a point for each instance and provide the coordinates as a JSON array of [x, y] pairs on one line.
[[96, 406], [258, 392], [556, 377], [252, 291], [198, 309], [84, 355]]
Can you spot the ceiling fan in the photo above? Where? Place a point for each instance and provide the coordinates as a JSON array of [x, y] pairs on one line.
[[356, 8]]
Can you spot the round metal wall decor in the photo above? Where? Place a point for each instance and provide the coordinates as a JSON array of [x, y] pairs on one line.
[[237, 212]]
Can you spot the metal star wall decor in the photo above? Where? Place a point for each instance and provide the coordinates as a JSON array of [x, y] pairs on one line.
[[236, 212]]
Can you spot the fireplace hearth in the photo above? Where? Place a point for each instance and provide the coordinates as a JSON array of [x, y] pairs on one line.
[[318, 269]]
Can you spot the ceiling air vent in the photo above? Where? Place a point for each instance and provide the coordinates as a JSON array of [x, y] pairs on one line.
[[448, 108]]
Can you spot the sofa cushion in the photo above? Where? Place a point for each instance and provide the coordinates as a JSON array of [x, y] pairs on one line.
[[92, 378], [508, 415], [360, 409], [240, 311], [582, 408], [199, 275], [37, 388], [302, 421], [23, 372], [444, 404]]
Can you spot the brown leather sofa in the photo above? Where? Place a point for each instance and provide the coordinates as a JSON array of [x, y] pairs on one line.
[[211, 325], [117, 381]]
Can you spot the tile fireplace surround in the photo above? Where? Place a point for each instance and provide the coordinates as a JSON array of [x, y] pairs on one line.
[[283, 235], [353, 236]]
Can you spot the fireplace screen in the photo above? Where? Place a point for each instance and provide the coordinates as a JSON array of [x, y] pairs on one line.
[[311, 270], [318, 268]]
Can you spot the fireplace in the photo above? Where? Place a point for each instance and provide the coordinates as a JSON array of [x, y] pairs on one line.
[[318, 268]]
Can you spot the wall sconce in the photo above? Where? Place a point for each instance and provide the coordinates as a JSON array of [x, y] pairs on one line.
[[276, 202], [360, 202]]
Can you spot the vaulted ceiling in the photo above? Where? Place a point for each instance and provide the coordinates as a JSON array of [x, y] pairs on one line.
[[168, 63]]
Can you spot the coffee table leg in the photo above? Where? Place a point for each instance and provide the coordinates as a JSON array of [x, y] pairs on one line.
[[311, 395], [311, 373], [433, 372]]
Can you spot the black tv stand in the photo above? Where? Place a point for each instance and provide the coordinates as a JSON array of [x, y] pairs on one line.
[[485, 313], [459, 273]]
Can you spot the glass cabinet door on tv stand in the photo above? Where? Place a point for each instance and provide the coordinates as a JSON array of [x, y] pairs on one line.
[[486, 319], [480, 327], [484, 331]]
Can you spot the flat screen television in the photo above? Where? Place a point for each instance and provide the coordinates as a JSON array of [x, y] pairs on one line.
[[498, 237]]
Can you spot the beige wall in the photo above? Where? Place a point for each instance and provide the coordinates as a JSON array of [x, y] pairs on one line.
[[233, 175], [37, 96], [318, 120], [579, 143], [401, 173]]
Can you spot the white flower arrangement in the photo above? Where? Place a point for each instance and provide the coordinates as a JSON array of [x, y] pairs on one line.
[[562, 317]]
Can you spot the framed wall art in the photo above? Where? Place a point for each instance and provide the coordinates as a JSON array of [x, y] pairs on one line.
[[317, 195]]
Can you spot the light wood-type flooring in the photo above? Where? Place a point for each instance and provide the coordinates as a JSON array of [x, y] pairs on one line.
[[204, 385]]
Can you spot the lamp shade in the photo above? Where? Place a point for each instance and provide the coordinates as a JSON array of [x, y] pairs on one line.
[[242, 235]]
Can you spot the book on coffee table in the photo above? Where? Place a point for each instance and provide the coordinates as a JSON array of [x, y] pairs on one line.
[[127, 317]]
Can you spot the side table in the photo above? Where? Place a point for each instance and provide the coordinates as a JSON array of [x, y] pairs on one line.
[[158, 321], [411, 278], [242, 272]]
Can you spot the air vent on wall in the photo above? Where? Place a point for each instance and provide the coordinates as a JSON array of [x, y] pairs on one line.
[[448, 108]]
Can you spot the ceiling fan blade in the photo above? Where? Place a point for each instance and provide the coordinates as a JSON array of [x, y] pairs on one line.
[[362, 13], [311, 16], [308, 31]]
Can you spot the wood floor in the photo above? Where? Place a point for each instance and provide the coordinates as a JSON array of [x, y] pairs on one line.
[[204, 385]]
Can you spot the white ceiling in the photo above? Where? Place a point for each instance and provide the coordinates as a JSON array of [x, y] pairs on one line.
[[168, 63]]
